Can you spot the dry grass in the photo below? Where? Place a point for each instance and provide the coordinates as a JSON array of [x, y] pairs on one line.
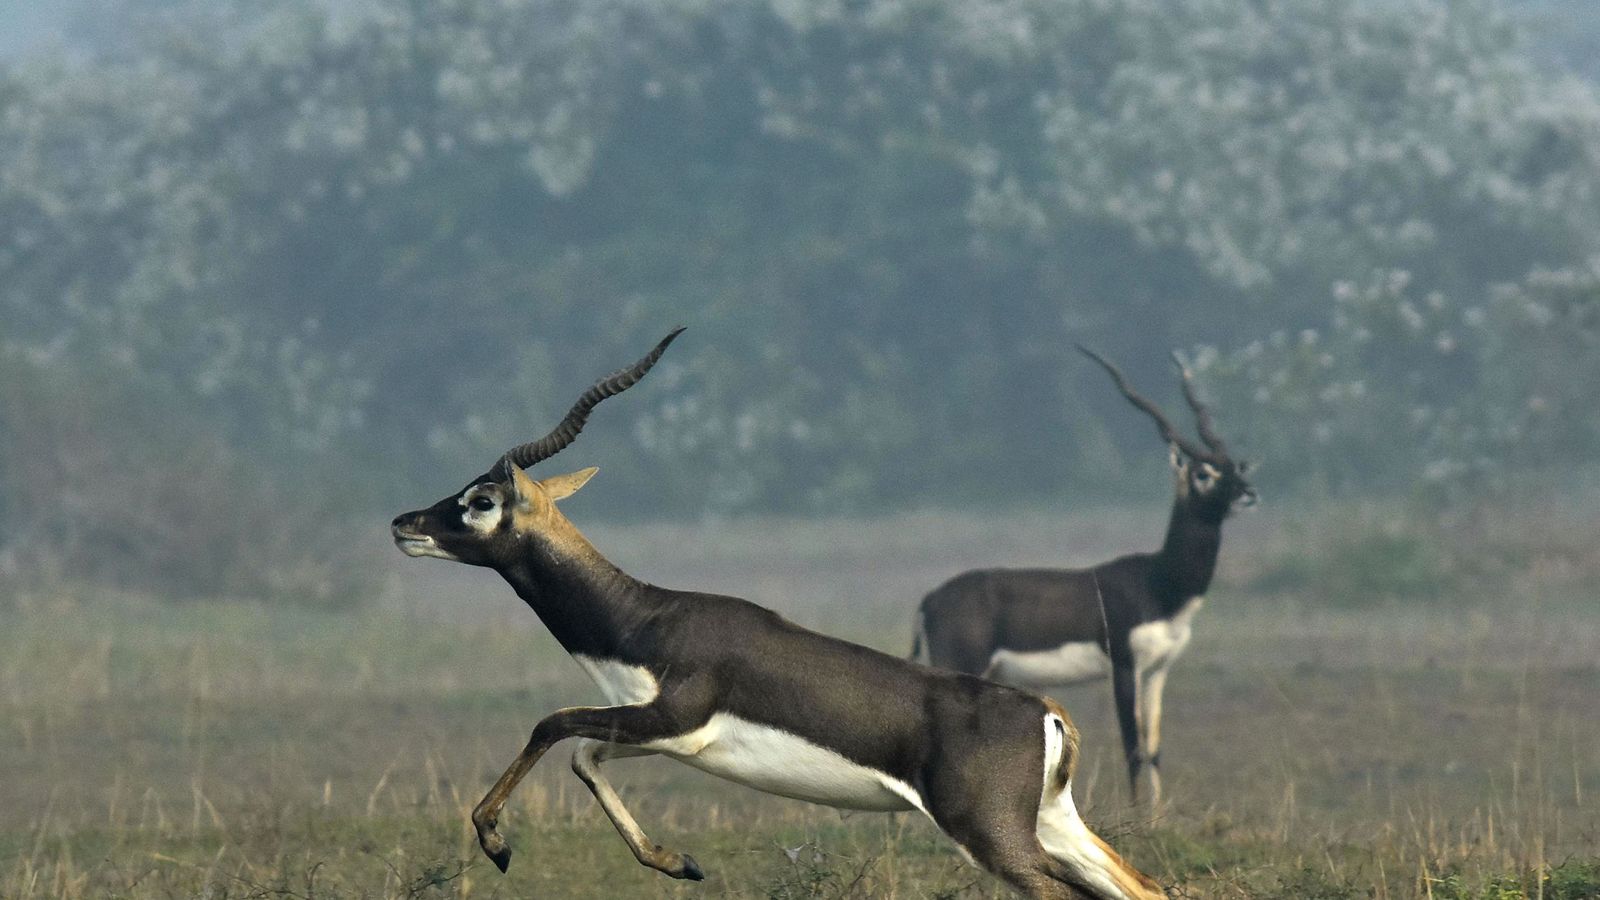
[[1446, 750]]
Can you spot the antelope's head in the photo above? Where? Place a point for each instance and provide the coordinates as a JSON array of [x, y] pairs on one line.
[[489, 520], [493, 518], [1209, 479]]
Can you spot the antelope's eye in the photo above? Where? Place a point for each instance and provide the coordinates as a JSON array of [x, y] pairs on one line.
[[482, 503]]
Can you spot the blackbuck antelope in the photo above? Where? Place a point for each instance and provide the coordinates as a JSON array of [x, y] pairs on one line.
[[733, 689], [1129, 618]]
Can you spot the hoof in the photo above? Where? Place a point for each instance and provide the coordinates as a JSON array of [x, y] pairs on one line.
[[495, 847], [690, 870]]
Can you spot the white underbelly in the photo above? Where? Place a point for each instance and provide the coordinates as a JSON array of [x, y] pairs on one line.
[[1067, 664], [777, 762]]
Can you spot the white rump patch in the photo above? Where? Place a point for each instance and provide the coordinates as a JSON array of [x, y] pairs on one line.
[[621, 683], [777, 762], [1069, 663]]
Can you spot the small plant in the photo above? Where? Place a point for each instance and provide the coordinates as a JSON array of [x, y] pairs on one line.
[[1314, 884], [811, 872], [1455, 887], [1184, 854], [1573, 880]]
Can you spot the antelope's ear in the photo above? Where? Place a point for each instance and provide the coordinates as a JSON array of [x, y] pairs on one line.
[[561, 487], [1175, 459], [521, 487]]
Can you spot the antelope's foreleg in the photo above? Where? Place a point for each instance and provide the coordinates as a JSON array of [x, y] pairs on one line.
[[1154, 683], [625, 724], [1125, 691], [586, 763]]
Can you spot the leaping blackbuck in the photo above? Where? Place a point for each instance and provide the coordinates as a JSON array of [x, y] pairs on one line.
[[733, 689], [1128, 618]]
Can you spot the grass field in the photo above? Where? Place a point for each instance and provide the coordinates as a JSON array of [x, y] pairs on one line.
[[1322, 740]]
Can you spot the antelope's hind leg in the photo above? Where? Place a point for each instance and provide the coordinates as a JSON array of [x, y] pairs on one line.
[[1082, 859], [1017, 858], [1075, 856], [988, 804], [1007, 844], [586, 763]]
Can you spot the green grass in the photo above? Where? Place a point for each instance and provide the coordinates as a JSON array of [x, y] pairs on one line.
[[1372, 555], [229, 750]]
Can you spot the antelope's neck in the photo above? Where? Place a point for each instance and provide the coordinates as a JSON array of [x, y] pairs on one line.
[[1188, 556], [589, 605]]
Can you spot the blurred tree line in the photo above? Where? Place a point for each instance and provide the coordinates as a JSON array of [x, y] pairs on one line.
[[287, 257]]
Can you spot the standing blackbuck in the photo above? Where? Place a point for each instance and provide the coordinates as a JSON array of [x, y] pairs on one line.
[[735, 690], [1129, 618]]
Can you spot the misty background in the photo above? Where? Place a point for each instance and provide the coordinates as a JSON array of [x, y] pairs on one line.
[[270, 272]]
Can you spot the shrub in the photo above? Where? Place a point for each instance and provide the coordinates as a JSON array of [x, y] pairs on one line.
[[107, 487]]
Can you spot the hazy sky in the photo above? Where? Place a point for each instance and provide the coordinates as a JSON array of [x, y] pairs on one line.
[[28, 23]]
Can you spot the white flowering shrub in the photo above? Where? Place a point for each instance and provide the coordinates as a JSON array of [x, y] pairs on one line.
[[1408, 386], [408, 231]]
